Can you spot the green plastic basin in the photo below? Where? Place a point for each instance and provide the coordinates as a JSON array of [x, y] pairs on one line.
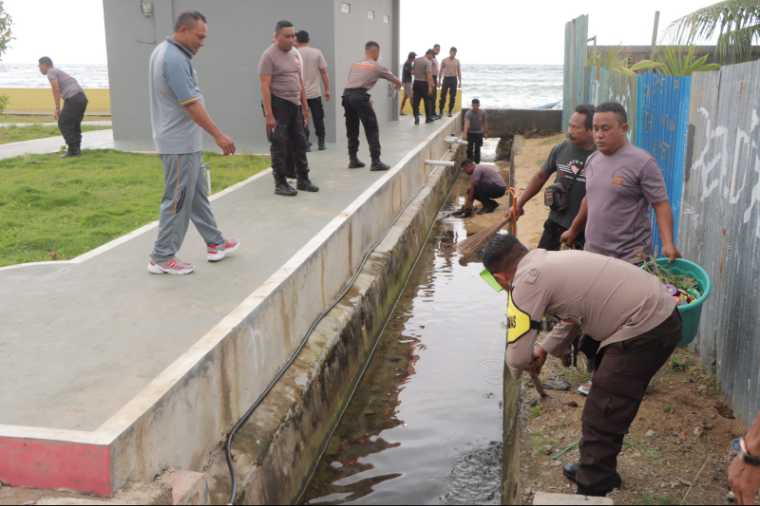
[[690, 313]]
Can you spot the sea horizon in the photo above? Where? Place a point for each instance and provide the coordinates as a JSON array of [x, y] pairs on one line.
[[509, 85]]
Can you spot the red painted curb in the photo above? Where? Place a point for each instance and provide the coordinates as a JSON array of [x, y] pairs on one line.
[[49, 465]]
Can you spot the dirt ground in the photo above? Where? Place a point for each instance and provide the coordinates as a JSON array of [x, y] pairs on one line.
[[677, 451]]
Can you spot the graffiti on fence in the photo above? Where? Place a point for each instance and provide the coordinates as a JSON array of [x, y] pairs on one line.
[[728, 175]]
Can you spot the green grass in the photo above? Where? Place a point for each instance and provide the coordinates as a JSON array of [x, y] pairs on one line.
[[31, 118], [27, 133], [23, 118], [657, 500], [55, 209]]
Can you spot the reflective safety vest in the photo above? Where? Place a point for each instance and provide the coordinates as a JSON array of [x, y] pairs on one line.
[[519, 322]]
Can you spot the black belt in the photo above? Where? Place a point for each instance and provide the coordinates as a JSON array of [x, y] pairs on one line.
[[355, 90]]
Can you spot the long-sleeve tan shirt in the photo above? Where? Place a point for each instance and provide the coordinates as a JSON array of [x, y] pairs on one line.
[[605, 298]]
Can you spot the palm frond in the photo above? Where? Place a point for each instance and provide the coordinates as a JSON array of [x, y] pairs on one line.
[[736, 23], [675, 61]]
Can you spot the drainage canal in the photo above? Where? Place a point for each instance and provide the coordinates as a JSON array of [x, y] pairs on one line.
[[424, 427]]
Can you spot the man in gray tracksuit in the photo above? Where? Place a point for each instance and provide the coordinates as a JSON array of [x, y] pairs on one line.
[[178, 114]]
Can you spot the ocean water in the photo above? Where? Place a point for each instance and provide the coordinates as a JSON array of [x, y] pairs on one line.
[[512, 86], [24, 75], [497, 86]]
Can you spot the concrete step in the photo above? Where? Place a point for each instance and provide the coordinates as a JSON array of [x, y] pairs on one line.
[[545, 499]]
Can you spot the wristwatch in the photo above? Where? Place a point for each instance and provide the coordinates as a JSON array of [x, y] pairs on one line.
[[746, 456]]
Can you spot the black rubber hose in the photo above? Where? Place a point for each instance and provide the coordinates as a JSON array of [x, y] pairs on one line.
[[294, 356], [281, 372]]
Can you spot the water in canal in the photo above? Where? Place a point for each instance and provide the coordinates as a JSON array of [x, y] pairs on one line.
[[425, 424]]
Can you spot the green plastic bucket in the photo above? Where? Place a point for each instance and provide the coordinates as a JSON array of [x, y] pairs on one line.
[[690, 313]]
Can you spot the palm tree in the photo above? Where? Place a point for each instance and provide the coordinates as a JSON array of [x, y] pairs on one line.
[[735, 22]]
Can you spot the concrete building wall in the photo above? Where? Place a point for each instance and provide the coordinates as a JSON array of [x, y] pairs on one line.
[[352, 30], [239, 31]]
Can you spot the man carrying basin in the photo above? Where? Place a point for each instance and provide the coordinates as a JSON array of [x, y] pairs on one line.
[[623, 183], [625, 309]]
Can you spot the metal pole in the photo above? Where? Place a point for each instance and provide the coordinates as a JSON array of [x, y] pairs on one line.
[[655, 32]]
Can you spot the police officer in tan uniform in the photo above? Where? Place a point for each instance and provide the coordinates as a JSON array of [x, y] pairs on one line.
[[627, 310], [357, 104]]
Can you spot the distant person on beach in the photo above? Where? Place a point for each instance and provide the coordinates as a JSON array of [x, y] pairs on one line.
[[286, 110], [622, 183], [475, 130], [407, 79], [486, 184], [423, 87], [74, 105], [744, 472], [625, 309], [436, 83], [178, 116], [314, 72], [358, 105], [567, 160], [451, 72]]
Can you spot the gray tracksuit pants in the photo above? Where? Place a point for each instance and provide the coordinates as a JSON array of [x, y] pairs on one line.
[[185, 199]]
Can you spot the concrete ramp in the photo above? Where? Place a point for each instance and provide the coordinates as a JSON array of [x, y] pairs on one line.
[[109, 375]]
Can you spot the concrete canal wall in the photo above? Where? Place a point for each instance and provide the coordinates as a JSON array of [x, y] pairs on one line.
[[284, 440]]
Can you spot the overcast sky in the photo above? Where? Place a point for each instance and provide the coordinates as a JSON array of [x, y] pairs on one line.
[[486, 31]]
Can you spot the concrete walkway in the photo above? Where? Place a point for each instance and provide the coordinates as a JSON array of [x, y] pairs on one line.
[[80, 339], [98, 139]]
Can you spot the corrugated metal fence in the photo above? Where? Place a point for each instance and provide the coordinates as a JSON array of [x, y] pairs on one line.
[[606, 86], [720, 228], [704, 131], [662, 119], [576, 56]]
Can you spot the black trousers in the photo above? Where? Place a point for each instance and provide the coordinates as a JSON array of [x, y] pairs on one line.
[[449, 88], [620, 382], [551, 238], [434, 95], [485, 193], [70, 121], [358, 109], [474, 144], [421, 95], [288, 142], [318, 117]]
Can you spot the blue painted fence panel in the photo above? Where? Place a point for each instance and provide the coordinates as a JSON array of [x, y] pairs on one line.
[[662, 128]]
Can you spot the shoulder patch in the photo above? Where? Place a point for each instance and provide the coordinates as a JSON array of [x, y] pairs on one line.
[[518, 321]]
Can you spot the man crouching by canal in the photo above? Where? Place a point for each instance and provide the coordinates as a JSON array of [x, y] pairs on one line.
[[624, 308]]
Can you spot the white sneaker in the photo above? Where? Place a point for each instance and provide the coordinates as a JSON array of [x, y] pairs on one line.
[[218, 252], [174, 267]]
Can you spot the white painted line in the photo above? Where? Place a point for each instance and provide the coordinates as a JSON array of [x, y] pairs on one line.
[[56, 435]]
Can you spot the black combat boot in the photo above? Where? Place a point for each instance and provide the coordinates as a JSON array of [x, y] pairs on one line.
[[322, 145], [283, 188], [570, 471], [72, 152], [305, 185], [378, 165], [355, 163]]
